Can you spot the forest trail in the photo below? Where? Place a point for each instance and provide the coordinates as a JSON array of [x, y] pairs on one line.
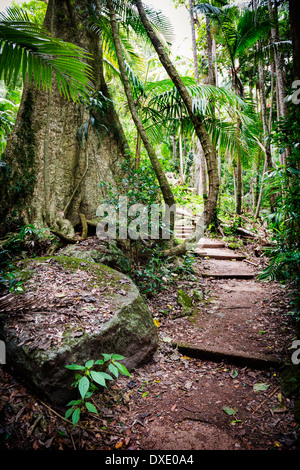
[[237, 323], [219, 389], [213, 383]]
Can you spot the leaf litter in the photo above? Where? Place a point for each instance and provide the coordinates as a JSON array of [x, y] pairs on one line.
[[172, 402]]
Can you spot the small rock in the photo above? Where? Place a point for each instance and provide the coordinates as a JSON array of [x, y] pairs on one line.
[[198, 295], [188, 385], [183, 299]]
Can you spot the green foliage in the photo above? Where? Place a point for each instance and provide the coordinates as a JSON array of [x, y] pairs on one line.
[[9, 105], [285, 221], [185, 197], [160, 271], [139, 185], [88, 380], [27, 48], [29, 241]]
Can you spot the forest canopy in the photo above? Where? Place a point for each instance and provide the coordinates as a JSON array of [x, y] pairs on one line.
[[216, 133]]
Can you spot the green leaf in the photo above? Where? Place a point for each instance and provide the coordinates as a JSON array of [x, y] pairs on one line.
[[117, 357], [98, 378], [76, 416], [69, 412], [260, 387], [107, 376], [74, 403], [75, 367], [99, 361], [122, 369], [83, 386], [113, 370], [230, 411], [89, 364], [107, 357], [91, 407]]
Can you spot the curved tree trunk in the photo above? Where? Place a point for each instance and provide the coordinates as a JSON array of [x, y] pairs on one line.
[[200, 129], [55, 158], [161, 177]]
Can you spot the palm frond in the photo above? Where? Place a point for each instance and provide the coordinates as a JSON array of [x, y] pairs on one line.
[[29, 49]]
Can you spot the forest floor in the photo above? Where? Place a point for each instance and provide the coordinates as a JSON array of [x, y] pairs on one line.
[[222, 392]]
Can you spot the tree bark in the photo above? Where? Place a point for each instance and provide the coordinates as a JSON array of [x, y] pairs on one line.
[[197, 78], [200, 129], [294, 9], [194, 43], [54, 158], [267, 146], [211, 69]]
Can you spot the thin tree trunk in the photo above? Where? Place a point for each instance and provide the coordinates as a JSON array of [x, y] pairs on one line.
[[211, 70], [261, 189], [262, 87], [194, 44], [200, 129], [256, 192], [161, 177], [239, 185], [181, 160], [197, 78]]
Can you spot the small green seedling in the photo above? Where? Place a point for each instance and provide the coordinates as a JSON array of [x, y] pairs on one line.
[[87, 379]]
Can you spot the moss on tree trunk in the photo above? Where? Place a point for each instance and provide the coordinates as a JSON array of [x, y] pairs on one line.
[[55, 159]]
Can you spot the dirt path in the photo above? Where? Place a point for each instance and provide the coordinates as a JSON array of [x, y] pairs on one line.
[[219, 389]]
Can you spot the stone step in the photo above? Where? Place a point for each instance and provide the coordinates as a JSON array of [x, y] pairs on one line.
[[238, 358], [230, 275], [221, 256], [212, 245], [184, 229]]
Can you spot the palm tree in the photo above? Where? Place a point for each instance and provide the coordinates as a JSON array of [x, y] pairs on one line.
[[240, 33], [163, 182], [28, 48], [200, 129]]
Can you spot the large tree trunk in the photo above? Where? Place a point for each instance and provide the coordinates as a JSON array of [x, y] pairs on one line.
[[52, 175], [200, 129], [294, 9]]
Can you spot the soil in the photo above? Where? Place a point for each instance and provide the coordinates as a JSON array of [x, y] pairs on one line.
[[180, 401]]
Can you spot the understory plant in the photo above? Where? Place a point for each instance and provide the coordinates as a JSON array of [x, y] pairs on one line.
[[284, 262], [152, 276], [87, 380]]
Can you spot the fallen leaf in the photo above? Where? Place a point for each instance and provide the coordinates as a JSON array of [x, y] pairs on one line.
[[230, 411], [260, 387], [119, 445]]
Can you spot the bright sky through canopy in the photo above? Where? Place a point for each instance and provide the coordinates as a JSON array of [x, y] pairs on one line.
[[178, 16]]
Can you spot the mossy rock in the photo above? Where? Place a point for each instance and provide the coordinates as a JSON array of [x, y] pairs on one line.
[[114, 257], [185, 301], [233, 246], [198, 295], [129, 331]]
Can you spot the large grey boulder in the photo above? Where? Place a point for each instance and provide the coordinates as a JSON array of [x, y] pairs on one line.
[[72, 311]]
